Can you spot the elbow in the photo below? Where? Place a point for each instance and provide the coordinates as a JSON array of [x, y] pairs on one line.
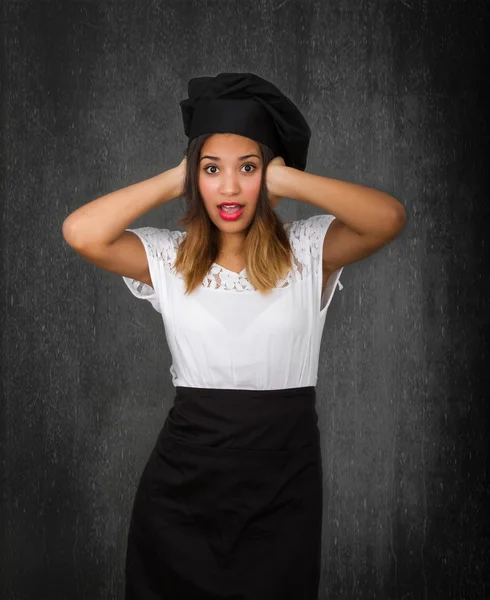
[[397, 220], [67, 231], [400, 217], [70, 234]]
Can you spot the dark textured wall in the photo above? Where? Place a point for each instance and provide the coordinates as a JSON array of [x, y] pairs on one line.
[[393, 92]]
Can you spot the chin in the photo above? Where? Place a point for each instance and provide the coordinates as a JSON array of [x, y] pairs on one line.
[[231, 225]]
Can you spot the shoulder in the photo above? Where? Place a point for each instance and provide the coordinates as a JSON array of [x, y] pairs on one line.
[[160, 242], [307, 235]]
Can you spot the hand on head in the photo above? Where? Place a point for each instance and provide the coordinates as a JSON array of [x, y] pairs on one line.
[[273, 176]]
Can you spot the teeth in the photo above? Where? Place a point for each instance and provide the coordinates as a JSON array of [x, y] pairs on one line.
[[233, 208]]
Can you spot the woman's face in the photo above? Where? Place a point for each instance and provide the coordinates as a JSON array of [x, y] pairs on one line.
[[230, 170]]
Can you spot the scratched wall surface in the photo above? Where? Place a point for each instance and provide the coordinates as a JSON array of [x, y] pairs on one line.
[[393, 94]]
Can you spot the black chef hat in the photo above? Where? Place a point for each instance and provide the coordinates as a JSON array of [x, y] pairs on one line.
[[246, 104]]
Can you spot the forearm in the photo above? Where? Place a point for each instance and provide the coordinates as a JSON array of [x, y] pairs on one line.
[[364, 209], [102, 221]]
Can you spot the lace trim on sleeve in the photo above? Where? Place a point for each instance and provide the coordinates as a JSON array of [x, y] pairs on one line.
[[308, 235], [159, 245]]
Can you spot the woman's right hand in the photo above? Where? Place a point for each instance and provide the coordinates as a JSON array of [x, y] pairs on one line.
[[181, 171]]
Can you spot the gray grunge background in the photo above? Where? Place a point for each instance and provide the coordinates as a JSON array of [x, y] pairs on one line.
[[394, 94]]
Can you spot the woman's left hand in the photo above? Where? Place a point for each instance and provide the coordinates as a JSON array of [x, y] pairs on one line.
[[274, 177]]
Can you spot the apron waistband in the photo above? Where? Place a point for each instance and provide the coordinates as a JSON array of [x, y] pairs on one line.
[[306, 391], [254, 419]]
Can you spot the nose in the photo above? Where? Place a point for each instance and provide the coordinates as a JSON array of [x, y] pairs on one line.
[[229, 184]]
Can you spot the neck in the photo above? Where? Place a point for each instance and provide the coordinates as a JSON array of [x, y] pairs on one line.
[[231, 244]]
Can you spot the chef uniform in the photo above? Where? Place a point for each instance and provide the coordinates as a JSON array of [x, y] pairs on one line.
[[229, 505]]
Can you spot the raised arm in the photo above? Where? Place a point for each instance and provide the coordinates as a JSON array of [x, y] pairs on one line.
[[96, 230]]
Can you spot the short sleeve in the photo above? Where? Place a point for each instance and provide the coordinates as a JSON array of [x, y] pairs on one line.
[[309, 235], [160, 252]]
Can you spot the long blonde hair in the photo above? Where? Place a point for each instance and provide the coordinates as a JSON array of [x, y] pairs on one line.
[[268, 253]]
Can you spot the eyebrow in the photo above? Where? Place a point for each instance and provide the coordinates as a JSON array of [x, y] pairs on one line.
[[239, 158]]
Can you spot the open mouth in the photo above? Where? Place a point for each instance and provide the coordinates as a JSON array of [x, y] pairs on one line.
[[230, 212], [230, 208]]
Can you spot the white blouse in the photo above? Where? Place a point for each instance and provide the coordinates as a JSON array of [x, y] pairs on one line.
[[228, 335]]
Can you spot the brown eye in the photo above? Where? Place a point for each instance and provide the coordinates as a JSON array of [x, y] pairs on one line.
[[215, 167]]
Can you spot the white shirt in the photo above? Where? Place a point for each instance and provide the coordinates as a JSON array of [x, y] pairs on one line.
[[228, 335]]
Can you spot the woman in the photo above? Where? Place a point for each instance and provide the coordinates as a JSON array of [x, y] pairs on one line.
[[229, 505]]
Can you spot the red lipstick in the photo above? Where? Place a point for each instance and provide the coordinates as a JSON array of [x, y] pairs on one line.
[[231, 214]]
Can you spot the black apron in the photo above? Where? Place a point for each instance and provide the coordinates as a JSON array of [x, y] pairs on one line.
[[229, 505]]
